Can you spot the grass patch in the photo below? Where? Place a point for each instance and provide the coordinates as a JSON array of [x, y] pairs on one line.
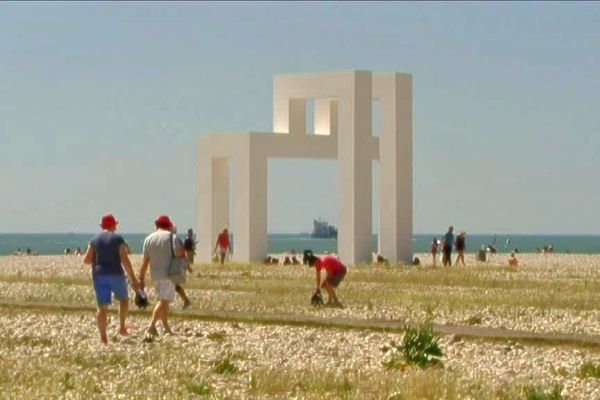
[[217, 336], [225, 366], [474, 320], [589, 370], [199, 388], [542, 393]]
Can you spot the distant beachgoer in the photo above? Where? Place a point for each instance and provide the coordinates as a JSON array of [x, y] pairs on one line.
[[481, 255], [107, 256], [190, 246], [157, 256], [179, 249], [447, 247], [287, 261], [416, 261], [434, 250], [512, 260], [381, 260], [295, 260], [223, 245], [68, 251], [461, 246], [336, 271], [28, 251]]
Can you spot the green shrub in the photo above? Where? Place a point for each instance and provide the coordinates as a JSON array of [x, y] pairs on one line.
[[474, 320], [67, 381], [217, 336], [541, 393], [225, 366], [198, 388], [589, 370], [419, 347]]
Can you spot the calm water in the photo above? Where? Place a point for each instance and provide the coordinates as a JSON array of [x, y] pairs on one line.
[[279, 243]]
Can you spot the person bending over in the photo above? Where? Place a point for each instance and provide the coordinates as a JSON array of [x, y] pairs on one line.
[[335, 273]]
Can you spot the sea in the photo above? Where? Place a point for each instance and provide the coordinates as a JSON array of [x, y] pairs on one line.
[[57, 243]]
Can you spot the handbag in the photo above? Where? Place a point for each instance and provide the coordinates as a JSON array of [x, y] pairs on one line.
[[177, 266]]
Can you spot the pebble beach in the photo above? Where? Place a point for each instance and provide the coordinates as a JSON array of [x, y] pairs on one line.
[[258, 351]]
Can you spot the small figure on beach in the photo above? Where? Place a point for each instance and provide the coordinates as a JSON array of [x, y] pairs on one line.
[[512, 260], [287, 261], [434, 250], [179, 250], [107, 256], [157, 256], [447, 247], [381, 260], [335, 270], [68, 251], [190, 246], [306, 256], [222, 245], [461, 246], [482, 253]]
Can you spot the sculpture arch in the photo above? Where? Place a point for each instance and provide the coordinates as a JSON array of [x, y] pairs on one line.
[[342, 125]]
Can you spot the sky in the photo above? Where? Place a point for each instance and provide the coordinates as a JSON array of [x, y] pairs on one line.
[[101, 105]]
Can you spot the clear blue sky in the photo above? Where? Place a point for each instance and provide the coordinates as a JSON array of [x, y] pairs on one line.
[[101, 105]]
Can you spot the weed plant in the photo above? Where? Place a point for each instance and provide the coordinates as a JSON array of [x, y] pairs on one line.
[[419, 347]]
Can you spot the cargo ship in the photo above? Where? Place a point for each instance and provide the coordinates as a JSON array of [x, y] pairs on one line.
[[322, 230]]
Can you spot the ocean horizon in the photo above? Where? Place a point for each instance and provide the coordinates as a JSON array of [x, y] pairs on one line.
[[57, 243]]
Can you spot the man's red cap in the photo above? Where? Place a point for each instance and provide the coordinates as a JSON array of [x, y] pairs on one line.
[[163, 221], [108, 221]]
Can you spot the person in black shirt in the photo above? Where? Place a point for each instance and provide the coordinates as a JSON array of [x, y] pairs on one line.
[[190, 246]]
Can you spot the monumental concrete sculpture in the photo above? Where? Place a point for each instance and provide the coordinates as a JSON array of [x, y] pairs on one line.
[[342, 103]]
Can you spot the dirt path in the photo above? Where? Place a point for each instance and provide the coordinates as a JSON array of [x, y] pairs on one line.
[[458, 331]]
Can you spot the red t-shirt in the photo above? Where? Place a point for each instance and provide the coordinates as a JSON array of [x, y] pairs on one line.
[[223, 240], [330, 264]]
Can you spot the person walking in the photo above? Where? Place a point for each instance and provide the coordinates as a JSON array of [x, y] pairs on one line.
[[190, 246], [107, 255], [157, 256], [223, 245], [461, 246], [179, 249], [447, 248], [335, 270], [434, 250]]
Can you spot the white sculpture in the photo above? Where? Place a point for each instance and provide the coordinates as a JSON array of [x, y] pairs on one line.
[[342, 124]]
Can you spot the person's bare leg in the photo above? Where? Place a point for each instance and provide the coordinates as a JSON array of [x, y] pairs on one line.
[[164, 317], [123, 312], [222, 258], [333, 300], [101, 321], [156, 316], [433, 257], [181, 292]]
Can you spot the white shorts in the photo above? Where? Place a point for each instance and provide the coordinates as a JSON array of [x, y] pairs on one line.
[[165, 289]]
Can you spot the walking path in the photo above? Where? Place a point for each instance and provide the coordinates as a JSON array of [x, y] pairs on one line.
[[458, 331]]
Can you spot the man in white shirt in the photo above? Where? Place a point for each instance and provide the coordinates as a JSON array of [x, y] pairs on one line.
[[157, 255]]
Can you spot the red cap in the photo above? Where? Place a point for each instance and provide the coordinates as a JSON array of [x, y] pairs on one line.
[[108, 221], [163, 221]]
